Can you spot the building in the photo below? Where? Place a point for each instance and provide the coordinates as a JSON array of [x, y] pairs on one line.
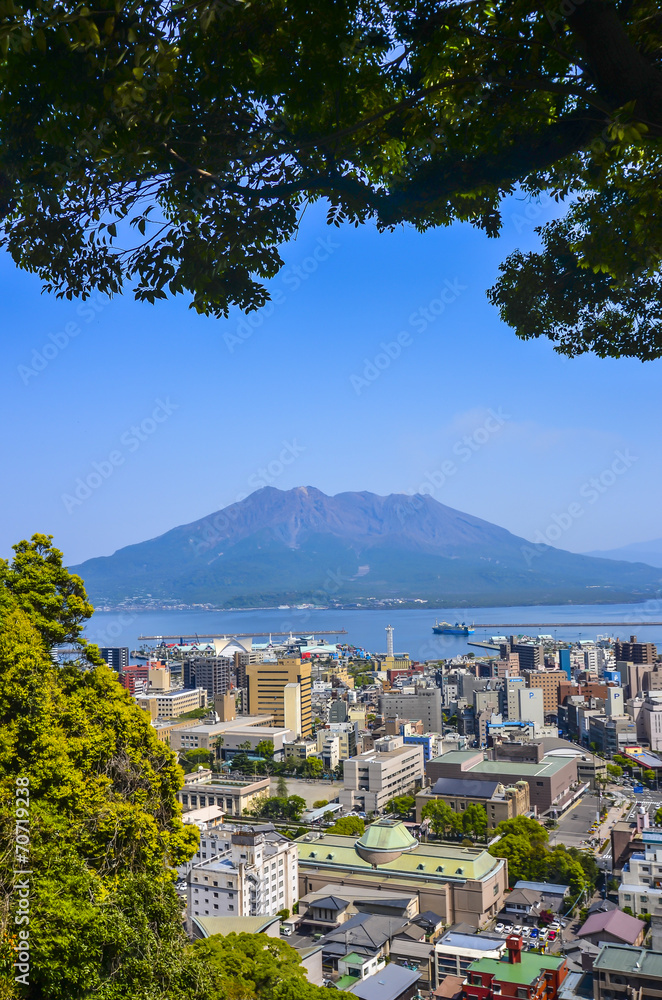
[[232, 795], [641, 877], [394, 982], [549, 681], [213, 673], [530, 707], [500, 803], [209, 733], [282, 689], [137, 674], [300, 749], [522, 975], [650, 720], [172, 704], [117, 657], [621, 973], [346, 734], [372, 778], [564, 663], [424, 705], [252, 872], [635, 652], [611, 734], [457, 950], [457, 883], [531, 655], [613, 926], [550, 780]]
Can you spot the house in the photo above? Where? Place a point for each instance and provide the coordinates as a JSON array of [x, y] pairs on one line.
[[415, 955], [522, 975], [333, 905], [450, 988], [613, 927], [393, 983], [524, 903], [366, 934]]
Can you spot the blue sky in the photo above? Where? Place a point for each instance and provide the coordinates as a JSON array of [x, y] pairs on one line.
[[454, 404]]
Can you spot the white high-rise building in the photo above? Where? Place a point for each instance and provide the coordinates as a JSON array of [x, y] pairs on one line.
[[389, 640], [243, 872]]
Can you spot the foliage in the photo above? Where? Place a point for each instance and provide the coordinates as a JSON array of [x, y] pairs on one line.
[[283, 914], [318, 803], [444, 820], [255, 967], [401, 805], [172, 149], [276, 808], [348, 826], [614, 770], [281, 788], [105, 826], [190, 760], [523, 842]]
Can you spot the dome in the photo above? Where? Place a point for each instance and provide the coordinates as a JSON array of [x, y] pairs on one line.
[[384, 841]]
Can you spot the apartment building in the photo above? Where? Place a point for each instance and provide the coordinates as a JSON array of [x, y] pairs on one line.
[[282, 689], [372, 778], [641, 878], [251, 872], [117, 657], [425, 705], [214, 673], [635, 652], [621, 972], [346, 733]]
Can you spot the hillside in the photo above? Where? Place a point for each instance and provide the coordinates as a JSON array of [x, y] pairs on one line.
[[639, 552], [288, 546]]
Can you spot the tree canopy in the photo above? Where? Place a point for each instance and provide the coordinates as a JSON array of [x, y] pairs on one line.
[[173, 148]]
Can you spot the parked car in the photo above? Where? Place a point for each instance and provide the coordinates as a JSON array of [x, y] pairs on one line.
[[517, 929], [552, 935], [543, 934], [500, 928], [508, 928], [534, 932], [526, 932]]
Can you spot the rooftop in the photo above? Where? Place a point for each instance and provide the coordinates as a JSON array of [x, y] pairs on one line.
[[526, 971], [622, 958], [387, 984], [614, 922], [520, 769]]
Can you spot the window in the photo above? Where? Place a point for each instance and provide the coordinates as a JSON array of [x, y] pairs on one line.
[[230, 907]]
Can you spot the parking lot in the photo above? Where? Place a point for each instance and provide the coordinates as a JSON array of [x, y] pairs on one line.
[[573, 828], [534, 937]]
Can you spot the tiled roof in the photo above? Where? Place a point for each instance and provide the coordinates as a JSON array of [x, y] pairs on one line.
[[614, 922]]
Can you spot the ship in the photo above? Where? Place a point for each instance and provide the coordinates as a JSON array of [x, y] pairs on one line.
[[445, 628]]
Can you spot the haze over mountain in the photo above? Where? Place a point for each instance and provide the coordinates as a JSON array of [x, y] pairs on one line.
[[300, 545], [639, 552]]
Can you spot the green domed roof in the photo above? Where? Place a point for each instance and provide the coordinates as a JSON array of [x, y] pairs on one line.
[[385, 839]]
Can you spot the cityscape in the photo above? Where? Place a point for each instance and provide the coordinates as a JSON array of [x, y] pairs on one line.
[[330, 535]]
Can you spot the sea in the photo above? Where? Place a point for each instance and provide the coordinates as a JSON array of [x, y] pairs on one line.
[[366, 628]]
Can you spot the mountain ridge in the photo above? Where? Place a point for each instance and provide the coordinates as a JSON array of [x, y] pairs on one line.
[[282, 545]]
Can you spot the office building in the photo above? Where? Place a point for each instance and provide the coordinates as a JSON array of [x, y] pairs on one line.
[[171, 704], [282, 689], [372, 778], [635, 652], [611, 734], [209, 733], [641, 878], [231, 795], [425, 705], [649, 720], [346, 733], [457, 883], [564, 663], [530, 707], [549, 682], [500, 802], [455, 951], [550, 778], [117, 657], [510, 698], [251, 871]]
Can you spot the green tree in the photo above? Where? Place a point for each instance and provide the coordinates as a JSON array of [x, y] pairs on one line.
[[295, 807], [192, 759], [254, 967], [348, 826], [395, 115], [105, 826], [281, 787], [474, 820], [614, 770], [312, 767], [442, 818], [319, 803], [401, 805], [648, 775]]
